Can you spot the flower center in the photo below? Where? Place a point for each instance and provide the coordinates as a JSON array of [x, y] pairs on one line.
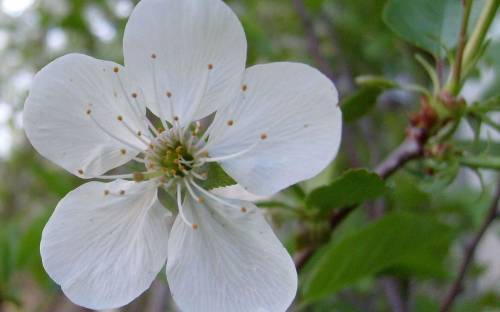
[[171, 155]]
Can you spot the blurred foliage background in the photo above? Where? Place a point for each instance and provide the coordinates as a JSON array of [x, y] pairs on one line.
[[343, 38]]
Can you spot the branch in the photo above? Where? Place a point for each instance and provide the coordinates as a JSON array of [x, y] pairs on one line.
[[312, 39], [457, 286], [410, 149]]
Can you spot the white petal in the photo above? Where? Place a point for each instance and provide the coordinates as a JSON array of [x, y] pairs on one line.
[[170, 44], [105, 250], [232, 262], [294, 108], [57, 122]]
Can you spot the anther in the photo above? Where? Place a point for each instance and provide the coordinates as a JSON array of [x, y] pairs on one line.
[[89, 111], [169, 94], [263, 136], [80, 171], [230, 123], [106, 193], [151, 146], [116, 69], [119, 118], [244, 88], [210, 66], [179, 149], [134, 95], [194, 226], [122, 192], [200, 200], [153, 56], [176, 118], [123, 151], [138, 176], [243, 209], [139, 133]]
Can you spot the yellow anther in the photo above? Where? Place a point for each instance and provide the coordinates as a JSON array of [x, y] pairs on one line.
[[179, 149], [138, 176], [204, 154], [161, 130]]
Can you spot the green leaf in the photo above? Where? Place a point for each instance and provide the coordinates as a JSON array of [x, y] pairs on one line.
[[378, 246], [429, 24], [217, 177], [360, 103], [352, 188], [481, 162]]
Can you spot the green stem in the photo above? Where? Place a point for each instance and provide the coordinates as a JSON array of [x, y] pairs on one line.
[[456, 74], [477, 38]]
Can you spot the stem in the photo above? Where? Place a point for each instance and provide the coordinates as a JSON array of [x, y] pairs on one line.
[[456, 76], [477, 38], [457, 286], [313, 40]]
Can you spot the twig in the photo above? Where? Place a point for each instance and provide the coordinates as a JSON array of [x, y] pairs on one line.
[[312, 39], [391, 287], [410, 149], [457, 286]]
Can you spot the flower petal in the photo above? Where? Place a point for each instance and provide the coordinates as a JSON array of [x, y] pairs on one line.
[[290, 112], [73, 108], [105, 250], [232, 262], [191, 50]]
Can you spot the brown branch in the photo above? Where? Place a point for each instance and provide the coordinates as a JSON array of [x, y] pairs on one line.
[[457, 286], [411, 148], [312, 39]]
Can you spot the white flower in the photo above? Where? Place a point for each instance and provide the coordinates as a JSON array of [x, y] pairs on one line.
[[275, 125]]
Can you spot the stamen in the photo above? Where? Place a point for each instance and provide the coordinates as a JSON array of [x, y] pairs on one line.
[[228, 157], [134, 133], [181, 210], [198, 199], [138, 149], [213, 196], [158, 102], [139, 160], [146, 120], [117, 176], [202, 177], [135, 108]]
